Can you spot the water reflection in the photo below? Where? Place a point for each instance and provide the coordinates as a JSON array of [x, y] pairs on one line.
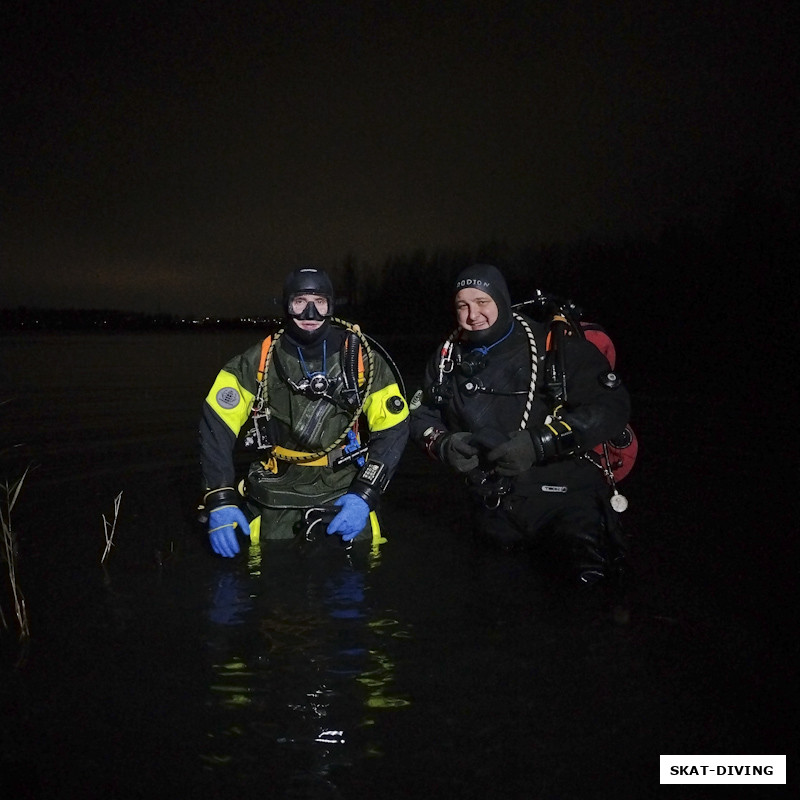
[[299, 666]]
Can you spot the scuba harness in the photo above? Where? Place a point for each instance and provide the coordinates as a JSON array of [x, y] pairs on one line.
[[562, 319], [471, 364], [565, 319], [484, 482], [348, 391]]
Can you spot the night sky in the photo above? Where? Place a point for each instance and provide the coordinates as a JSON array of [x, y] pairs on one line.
[[182, 156]]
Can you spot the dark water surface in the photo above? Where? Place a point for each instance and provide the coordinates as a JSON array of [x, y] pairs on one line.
[[426, 666]]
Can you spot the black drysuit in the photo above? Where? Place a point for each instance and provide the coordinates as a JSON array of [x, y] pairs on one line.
[[567, 497]]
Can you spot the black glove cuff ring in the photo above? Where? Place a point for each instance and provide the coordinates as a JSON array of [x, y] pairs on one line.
[[217, 498]]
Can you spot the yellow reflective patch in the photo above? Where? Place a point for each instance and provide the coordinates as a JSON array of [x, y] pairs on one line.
[[377, 410], [230, 400]]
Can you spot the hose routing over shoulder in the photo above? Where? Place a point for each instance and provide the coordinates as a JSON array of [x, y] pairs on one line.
[[262, 394]]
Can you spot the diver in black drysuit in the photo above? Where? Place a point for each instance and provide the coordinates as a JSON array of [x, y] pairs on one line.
[[522, 454]]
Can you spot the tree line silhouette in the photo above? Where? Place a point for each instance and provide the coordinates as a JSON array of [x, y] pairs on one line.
[[702, 304], [706, 298]]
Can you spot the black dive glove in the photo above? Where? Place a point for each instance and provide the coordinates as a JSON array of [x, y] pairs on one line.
[[456, 450], [526, 448]]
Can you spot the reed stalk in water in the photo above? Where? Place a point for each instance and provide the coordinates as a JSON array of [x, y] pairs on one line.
[[10, 550], [109, 528]]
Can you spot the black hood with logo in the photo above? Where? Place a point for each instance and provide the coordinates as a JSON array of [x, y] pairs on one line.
[[487, 278]]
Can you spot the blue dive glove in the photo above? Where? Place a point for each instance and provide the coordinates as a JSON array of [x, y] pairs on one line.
[[350, 521], [222, 524]]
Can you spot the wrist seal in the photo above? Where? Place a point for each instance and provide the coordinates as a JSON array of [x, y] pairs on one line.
[[370, 483], [216, 498], [554, 440], [432, 439]]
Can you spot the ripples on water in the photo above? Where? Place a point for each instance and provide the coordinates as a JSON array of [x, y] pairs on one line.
[[300, 661], [387, 674]]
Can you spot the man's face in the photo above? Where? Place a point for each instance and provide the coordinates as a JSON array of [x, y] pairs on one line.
[[299, 303], [475, 310]]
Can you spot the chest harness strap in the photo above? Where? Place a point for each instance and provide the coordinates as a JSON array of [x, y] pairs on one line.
[[353, 369], [447, 364]]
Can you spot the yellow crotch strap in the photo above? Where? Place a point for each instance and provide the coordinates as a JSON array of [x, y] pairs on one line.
[[255, 530], [375, 527]]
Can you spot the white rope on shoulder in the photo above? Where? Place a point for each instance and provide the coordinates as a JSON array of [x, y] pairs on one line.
[[534, 353]]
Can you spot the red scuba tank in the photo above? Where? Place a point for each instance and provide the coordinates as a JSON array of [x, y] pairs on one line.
[[622, 450]]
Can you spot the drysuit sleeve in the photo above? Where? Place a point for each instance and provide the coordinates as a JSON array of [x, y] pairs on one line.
[[225, 411], [598, 404], [386, 412]]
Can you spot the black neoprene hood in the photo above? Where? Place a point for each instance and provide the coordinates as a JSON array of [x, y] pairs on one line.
[[487, 278]]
